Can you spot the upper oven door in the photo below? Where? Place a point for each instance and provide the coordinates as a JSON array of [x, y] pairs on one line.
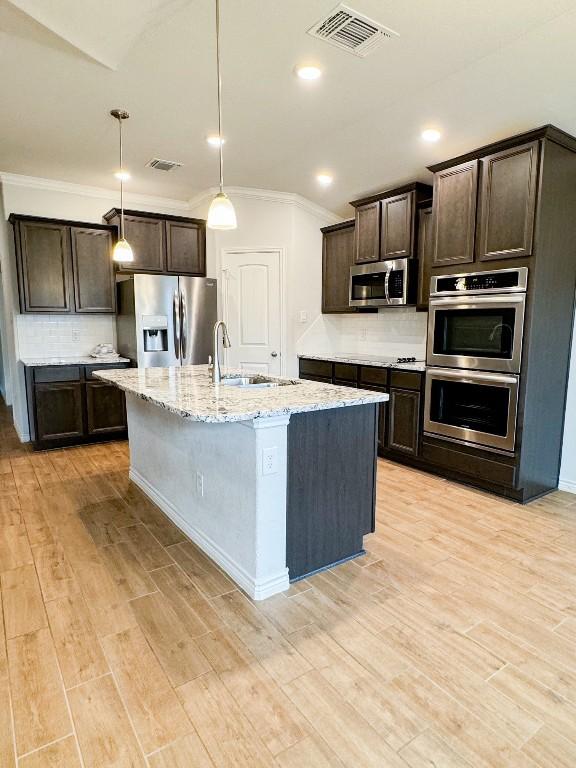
[[381, 284], [477, 332]]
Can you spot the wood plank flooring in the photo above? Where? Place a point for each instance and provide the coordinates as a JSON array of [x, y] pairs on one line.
[[452, 643]]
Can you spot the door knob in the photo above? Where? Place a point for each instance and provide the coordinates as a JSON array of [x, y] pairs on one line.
[[274, 354]]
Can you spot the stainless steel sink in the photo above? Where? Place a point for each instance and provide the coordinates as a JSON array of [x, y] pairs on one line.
[[253, 382]]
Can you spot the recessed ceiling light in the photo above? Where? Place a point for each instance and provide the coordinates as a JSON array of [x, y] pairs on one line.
[[308, 72], [325, 179], [122, 175], [215, 140], [431, 134]]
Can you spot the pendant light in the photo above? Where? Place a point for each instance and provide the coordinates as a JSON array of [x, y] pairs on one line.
[[122, 252], [221, 214]]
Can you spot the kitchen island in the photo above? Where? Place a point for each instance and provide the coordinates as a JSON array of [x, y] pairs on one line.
[[273, 482]]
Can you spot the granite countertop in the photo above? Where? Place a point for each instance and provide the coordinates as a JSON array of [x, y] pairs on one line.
[[362, 359], [189, 392], [64, 360]]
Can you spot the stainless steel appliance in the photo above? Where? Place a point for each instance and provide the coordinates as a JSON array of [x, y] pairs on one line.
[[166, 320], [476, 320], [383, 283], [472, 407]]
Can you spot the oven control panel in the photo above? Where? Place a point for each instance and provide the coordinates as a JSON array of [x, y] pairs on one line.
[[499, 281]]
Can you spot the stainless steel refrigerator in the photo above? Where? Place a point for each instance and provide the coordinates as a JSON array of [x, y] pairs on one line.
[[166, 320]]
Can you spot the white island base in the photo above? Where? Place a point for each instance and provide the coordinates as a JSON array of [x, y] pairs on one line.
[[210, 480]]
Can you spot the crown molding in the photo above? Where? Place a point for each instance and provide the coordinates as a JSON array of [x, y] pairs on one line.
[[270, 196], [68, 187]]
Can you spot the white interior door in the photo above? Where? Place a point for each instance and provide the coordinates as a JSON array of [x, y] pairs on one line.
[[251, 293]]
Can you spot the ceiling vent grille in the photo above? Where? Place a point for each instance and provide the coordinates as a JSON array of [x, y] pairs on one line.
[[351, 31], [162, 165]]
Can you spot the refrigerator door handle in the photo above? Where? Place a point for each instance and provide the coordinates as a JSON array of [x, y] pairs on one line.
[[183, 326], [176, 321]]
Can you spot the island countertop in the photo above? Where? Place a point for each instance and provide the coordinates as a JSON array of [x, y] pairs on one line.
[[188, 392]]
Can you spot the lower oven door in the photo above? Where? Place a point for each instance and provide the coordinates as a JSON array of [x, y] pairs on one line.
[[472, 407]]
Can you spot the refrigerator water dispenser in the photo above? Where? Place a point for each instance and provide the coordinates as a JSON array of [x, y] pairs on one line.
[[155, 330]]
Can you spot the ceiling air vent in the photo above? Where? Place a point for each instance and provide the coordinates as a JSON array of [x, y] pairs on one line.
[[162, 165], [351, 31]]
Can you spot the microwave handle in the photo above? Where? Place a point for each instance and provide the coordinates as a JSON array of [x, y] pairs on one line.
[[387, 283]]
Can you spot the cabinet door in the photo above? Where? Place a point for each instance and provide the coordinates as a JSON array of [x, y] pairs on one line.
[[44, 267], [185, 248], [404, 421], [367, 233], [105, 408], [454, 214], [396, 226], [424, 257], [507, 203], [93, 270], [337, 258], [147, 238], [58, 411]]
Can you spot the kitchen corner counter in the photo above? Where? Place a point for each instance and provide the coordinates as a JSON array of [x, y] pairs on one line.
[[188, 392], [37, 362], [360, 359]]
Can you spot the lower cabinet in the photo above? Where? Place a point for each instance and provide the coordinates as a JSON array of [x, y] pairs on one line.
[[404, 421], [66, 407]]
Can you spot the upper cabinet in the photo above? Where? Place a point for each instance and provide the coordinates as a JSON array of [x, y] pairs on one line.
[[507, 203], [337, 258], [386, 223], [424, 257], [64, 266], [454, 214], [163, 244], [367, 233]]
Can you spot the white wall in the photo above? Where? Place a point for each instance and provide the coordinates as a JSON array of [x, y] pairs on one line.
[[568, 468]]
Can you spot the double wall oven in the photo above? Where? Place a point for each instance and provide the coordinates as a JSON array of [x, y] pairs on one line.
[[475, 332]]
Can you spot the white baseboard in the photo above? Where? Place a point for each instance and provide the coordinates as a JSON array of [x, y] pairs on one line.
[[567, 485], [256, 589]]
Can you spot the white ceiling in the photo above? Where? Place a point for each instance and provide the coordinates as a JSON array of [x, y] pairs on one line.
[[479, 70]]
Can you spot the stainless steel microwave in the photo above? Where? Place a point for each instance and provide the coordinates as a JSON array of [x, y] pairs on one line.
[[384, 283]]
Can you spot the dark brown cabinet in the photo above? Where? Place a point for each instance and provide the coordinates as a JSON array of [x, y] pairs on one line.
[[367, 233], [64, 266], [337, 258], [454, 214], [507, 203], [68, 406], [163, 244], [396, 226], [424, 257], [404, 421]]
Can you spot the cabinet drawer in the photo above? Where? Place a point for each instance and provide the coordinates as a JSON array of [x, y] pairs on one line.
[[57, 373], [373, 376], [345, 372], [90, 369], [480, 467], [405, 379], [316, 367]]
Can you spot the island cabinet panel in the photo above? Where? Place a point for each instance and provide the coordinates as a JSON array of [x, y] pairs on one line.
[[59, 411], [404, 421], [367, 233], [43, 258], [454, 214], [93, 275], [507, 203], [396, 228], [337, 258], [185, 248], [331, 486], [147, 239]]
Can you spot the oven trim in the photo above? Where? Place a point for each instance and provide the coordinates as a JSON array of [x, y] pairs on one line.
[[513, 301], [473, 437]]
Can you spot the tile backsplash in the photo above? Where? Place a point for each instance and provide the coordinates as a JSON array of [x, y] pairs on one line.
[[59, 335]]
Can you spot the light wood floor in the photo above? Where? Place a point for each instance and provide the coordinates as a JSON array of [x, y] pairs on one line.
[[452, 643]]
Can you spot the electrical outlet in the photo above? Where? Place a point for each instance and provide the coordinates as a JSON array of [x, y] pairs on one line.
[[303, 316], [199, 483], [363, 334], [270, 460]]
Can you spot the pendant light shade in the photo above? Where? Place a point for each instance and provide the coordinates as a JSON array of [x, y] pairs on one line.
[[221, 214], [122, 252]]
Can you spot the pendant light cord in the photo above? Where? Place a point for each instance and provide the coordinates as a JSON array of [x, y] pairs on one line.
[[219, 93], [121, 185]]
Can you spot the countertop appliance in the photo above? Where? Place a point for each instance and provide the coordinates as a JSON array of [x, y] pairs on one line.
[[475, 335], [166, 320], [384, 283]]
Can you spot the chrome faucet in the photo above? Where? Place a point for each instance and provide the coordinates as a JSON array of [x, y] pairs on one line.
[[216, 375]]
